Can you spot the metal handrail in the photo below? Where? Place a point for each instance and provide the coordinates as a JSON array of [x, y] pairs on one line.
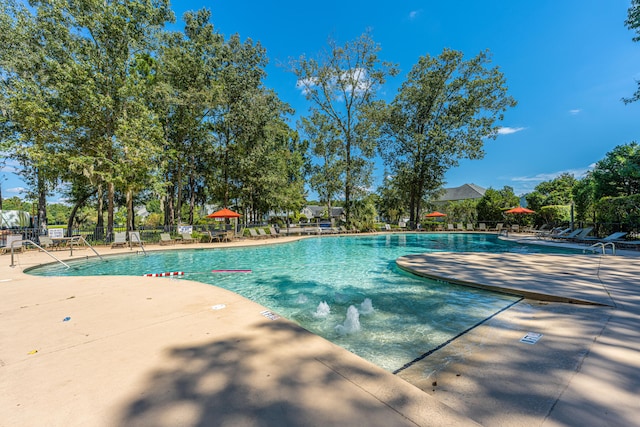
[[137, 236], [78, 238], [36, 245], [603, 245]]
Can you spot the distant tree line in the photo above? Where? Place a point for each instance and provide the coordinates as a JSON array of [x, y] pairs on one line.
[[101, 101]]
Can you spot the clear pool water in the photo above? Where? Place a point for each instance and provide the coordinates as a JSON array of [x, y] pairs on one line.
[[303, 280]]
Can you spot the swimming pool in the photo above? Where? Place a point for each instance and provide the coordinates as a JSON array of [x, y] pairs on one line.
[[315, 281]]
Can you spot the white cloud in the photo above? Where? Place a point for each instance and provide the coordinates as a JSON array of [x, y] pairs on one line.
[[575, 111], [15, 190], [508, 130], [577, 173], [353, 80], [414, 14]]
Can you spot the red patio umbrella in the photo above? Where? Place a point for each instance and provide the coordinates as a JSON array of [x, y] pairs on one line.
[[224, 213], [435, 214], [520, 210]]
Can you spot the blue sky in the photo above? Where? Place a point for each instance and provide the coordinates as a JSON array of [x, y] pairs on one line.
[[568, 64]]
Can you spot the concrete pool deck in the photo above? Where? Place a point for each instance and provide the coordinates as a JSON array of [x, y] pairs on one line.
[[158, 351]]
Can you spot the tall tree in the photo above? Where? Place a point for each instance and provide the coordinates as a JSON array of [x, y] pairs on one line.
[[325, 144], [618, 174], [114, 37], [443, 112], [187, 98], [341, 84], [558, 191], [633, 23], [34, 63], [494, 202]]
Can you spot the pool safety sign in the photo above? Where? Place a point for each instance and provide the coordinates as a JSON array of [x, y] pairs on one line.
[[531, 338]]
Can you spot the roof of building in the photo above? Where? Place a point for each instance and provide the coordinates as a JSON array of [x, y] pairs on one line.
[[464, 192]]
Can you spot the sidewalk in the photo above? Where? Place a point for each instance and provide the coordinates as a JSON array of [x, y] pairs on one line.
[[583, 371]]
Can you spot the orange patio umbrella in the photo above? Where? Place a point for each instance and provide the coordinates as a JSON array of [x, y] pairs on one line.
[[224, 213], [520, 210], [435, 214]]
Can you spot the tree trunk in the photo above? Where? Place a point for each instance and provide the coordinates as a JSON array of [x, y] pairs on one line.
[[110, 207], [42, 202], [74, 211], [130, 212], [100, 223]]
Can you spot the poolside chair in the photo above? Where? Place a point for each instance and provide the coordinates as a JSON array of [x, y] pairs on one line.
[[119, 239], [253, 233], [470, 227], [498, 227], [134, 239], [584, 232], [450, 227], [610, 238], [482, 227], [186, 238], [165, 239], [554, 233], [46, 242], [567, 235], [10, 239], [273, 231], [262, 233], [459, 227]]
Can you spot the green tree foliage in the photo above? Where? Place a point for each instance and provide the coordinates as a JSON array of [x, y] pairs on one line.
[[494, 202], [584, 198], [325, 144], [558, 191], [554, 214], [464, 211], [342, 85], [443, 112], [618, 174], [390, 203], [633, 23], [34, 63]]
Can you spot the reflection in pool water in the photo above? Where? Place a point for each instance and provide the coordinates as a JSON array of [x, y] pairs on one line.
[[396, 317]]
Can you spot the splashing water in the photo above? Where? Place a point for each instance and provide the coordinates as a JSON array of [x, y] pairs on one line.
[[351, 323], [302, 299], [366, 307], [323, 310]]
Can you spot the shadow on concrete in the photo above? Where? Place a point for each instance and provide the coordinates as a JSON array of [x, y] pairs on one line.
[[237, 382]]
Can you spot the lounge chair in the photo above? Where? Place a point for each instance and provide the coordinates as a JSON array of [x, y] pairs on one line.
[[450, 227], [165, 239], [570, 235], [610, 238], [134, 238], [262, 233], [459, 227], [253, 233], [46, 242], [186, 238], [10, 239], [584, 232], [482, 227], [556, 232], [119, 239], [273, 231], [470, 227]]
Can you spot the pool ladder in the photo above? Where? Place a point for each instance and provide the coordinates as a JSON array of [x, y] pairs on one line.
[[71, 241], [603, 245]]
